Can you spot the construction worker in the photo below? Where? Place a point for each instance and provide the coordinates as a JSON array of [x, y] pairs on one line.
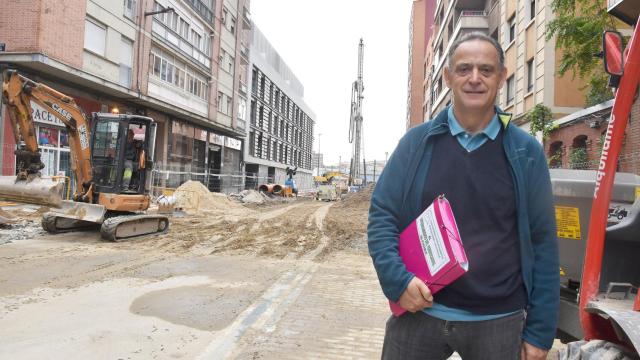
[[496, 179], [130, 159]]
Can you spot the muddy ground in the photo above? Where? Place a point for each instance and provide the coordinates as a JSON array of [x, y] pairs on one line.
[[284, 279]]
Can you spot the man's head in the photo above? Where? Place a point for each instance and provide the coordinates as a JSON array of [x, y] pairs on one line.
[[475, 72]]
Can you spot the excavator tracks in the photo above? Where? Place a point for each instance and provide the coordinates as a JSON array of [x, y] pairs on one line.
[[55, 224], [124, 227]]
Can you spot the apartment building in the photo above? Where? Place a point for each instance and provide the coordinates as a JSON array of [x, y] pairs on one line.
[[421, 28], [531, 61], [280, 134], [152, 57]]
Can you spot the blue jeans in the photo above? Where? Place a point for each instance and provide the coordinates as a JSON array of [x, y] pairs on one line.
[[420, 336]]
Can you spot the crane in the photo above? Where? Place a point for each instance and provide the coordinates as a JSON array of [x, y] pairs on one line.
[[355, 123]]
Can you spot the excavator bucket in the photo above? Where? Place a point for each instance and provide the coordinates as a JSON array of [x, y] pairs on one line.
[[80, 211], [34, 190]]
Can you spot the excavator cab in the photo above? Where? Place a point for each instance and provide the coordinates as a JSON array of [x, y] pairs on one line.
[[122, 153]]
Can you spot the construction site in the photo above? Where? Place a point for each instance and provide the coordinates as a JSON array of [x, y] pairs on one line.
[[269, 278]]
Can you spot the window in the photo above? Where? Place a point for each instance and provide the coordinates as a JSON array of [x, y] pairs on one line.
[[196, 39], [184, 29], [158, 7], [511, 30], [530, 75], [228, 63], [225, 15], [532, 10], [232, 25], [126, 61], [175, 72], [224, 103], [130, 9], [511, 89], [242, 109], [95, 37], [173, 21]]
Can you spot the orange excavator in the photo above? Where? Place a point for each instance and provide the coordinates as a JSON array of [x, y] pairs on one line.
[[111, 160]]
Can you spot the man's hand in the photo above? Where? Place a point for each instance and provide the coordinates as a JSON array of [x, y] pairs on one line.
[[416, 297], [530, 352]]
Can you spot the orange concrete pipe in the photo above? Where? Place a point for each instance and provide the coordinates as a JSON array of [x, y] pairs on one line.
[[277, 189], [266, 188]]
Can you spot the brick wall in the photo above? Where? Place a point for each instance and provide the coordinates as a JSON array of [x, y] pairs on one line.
[[629, 160], [52, 27]]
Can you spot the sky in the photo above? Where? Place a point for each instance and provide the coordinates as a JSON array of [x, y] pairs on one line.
[[318, 40]]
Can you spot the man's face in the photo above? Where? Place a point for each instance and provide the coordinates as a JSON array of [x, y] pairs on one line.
[[475, 75]]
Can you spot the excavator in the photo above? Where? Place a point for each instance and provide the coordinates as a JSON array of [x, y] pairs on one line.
[[111, 160]]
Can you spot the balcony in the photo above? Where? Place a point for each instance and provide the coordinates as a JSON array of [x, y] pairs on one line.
[[494, 18], [244, 54], [176, 42], [203, 9], [468, 21], [471, 4], [246, 19]]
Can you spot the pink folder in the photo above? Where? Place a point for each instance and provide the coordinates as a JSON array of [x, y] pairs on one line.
[[431, 249]]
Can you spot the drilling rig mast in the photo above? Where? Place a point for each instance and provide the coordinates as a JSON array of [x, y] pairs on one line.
[[355, 123]]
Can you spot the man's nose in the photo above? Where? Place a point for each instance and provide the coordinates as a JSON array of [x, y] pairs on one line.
[[474, 76]]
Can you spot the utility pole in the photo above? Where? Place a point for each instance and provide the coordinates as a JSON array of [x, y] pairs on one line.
[[355, 121], [319, 136]]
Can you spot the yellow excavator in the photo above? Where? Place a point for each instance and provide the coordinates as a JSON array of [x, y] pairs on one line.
[[111, 160]]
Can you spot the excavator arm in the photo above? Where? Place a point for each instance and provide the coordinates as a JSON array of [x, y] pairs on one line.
[[18, 93]]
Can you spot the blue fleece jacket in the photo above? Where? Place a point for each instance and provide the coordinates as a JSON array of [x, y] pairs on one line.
[[396, 202]]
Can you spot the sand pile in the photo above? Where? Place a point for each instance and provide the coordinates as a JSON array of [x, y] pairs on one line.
[[194, 196], [346, 222]]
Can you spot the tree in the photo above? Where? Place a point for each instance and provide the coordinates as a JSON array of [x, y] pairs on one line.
[[578, 28], [540, 118]]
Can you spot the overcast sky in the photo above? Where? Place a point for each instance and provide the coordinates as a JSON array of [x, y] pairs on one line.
[[318, 40]]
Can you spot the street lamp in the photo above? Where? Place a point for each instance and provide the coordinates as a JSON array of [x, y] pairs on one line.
[[165, 10]]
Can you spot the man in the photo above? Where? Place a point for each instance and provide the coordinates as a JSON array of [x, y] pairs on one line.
[[130, 157], [496, 178]]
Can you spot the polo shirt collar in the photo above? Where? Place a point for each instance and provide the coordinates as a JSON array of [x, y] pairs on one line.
[[491, 131]]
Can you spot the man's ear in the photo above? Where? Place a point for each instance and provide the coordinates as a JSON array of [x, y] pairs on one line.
[[446, 75]]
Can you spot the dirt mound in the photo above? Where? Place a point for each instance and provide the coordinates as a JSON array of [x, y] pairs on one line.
[[346, 223], [194, 196]]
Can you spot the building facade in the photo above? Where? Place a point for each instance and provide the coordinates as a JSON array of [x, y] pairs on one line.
[[157, 58], [280, 133], [531, 61], [421, 28]]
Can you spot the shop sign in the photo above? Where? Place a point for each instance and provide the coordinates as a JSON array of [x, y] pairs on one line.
[[216, 139], [43, 116], [181, 128], [233, 143]]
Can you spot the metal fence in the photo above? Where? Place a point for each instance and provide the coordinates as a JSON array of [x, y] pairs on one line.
[[170, 178], [629, 163]]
